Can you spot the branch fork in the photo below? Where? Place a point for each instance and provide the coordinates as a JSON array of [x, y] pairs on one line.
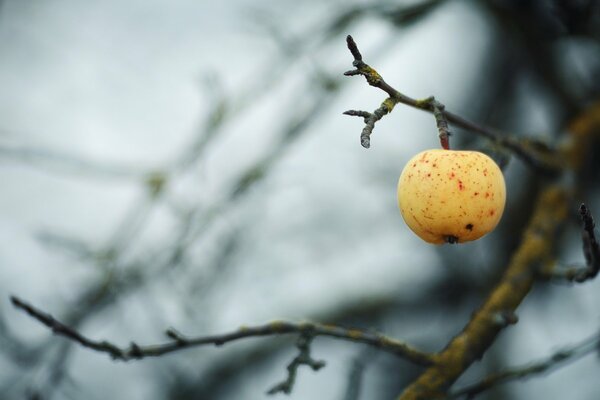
[[303, 358]]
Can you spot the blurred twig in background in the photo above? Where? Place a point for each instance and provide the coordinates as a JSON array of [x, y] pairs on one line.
[[527, 39]]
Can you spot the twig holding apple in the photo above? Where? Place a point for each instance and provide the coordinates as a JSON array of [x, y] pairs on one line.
[[536, 153]]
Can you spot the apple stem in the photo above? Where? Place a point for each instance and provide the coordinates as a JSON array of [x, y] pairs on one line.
[[441, 122]]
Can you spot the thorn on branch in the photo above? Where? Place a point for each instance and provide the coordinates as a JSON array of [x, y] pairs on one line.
[[303, 358]]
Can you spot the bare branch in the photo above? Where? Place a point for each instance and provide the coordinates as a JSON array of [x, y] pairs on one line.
[[370, 119], [497, 312], [535, 153], [547, 365], [303, 358], [179, 341], [591, 252], [60, 329]]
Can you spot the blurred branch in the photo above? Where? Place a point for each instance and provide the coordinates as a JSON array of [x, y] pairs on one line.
[[356, 374], [525, 25], [18, 351], [179, 341], [443, 295], [551, 363], [407, 14], [303, 358], [199, 221], [497, 312], [591, 251], [68, 163], [134, 274], [74, 246], [535, 153]]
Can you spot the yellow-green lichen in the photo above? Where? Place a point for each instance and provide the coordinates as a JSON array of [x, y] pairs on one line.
[[469, 345], [277, 326], [389, 104], [355, 333]]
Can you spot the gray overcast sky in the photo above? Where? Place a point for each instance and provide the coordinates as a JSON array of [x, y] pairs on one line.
[[121, 84]]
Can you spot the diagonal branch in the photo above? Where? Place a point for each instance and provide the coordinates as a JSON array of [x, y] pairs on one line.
[[497, 312], [535, 153], [591, 252], [547, 365], [179, 341], [61, 329]]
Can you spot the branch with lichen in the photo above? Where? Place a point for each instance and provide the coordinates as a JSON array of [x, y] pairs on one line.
[[498, 311], [549, 364], [538, 244], [180, 341], [535, 153]]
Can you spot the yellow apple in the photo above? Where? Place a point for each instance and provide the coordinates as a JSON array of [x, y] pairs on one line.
[[448, 196]]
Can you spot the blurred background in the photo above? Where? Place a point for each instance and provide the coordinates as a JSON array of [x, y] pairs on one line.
[[186, 164]]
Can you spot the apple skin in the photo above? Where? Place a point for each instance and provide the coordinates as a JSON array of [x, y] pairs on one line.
[[449, 196]]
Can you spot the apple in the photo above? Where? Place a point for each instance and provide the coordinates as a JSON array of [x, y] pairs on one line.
[[449, 196]]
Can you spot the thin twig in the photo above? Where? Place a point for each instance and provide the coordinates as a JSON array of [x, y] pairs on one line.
[[63, 330], [535, 153], [547, 365], [179, 341], [303, 358], [591, 252], [370, 119]]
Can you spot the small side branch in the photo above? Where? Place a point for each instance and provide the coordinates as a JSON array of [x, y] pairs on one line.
[[303, 358], [371, 118], [551, 363], [179, 341], [591, 252]]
